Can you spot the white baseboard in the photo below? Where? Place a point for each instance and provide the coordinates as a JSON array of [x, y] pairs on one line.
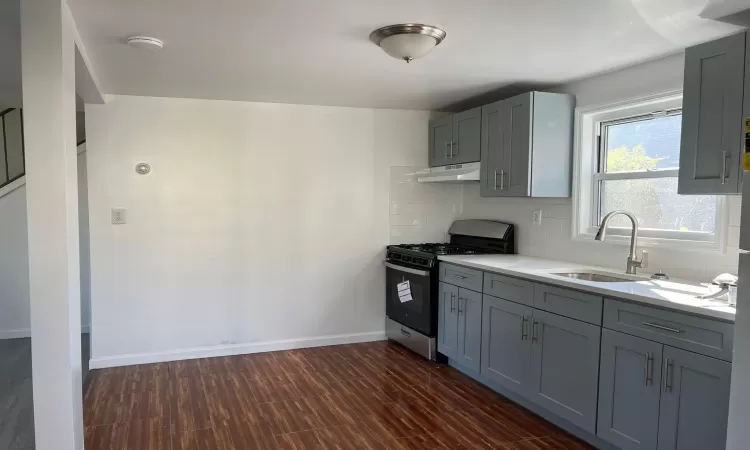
[[26, 332], [234, 349]]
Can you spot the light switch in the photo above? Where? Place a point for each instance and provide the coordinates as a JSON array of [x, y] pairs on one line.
[[119, 216]]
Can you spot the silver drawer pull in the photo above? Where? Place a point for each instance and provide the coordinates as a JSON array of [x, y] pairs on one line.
[[460, 277], [661, 327], [405, 333]]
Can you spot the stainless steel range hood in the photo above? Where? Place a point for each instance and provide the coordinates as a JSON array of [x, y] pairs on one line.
[[452, 173]]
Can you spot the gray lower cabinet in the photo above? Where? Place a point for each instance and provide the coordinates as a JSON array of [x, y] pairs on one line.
[[506, 343], [565, 367], [469, 311], [695, 401], [712, 125], [448, 320], [629, 391]]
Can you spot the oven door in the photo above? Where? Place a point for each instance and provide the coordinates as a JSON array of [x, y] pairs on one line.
[[418, 312]]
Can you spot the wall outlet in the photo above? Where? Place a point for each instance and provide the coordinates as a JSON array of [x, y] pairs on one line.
[[537, 217], [119, 216]]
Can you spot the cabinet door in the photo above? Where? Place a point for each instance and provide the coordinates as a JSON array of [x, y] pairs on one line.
[[712, 123], [469, 329], [441, 136], [506, 343], [517, 145], [448, 320], [694, 402], [467, 137], [492, 149], [565, 367], [629, 390]]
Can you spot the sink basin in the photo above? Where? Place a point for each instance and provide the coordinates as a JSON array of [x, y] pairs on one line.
[[591, 276]]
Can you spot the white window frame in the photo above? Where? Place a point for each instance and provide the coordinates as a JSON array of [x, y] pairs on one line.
[[588, 123]]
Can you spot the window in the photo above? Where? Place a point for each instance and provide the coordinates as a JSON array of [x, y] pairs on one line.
[[629, 160]]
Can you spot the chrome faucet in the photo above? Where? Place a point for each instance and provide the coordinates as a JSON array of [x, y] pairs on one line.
[[633, 261]]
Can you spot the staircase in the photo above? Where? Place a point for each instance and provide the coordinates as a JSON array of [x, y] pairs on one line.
[[12, 164]]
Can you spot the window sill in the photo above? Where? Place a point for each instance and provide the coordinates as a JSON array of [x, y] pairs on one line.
[[656, 243], [8, 188]]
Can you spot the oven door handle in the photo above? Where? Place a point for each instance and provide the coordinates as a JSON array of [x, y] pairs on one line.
[[423, 273]]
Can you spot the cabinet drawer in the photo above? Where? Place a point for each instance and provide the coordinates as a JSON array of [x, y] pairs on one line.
[[509, 288], [569, 303], [696, 334], [461, 276]]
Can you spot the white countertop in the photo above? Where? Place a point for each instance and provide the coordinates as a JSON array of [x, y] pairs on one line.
[[673, 294]]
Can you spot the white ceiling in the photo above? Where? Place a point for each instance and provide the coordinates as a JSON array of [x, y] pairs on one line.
[[318, 51]]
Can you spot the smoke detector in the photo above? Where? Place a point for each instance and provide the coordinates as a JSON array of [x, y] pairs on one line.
[[145, 42]]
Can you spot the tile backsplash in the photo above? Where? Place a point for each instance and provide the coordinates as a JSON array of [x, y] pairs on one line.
[[423, 212]]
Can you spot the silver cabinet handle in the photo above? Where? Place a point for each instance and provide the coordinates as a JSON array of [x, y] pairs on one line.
[[534, 331], [460, 277], [668, 373], [524, 334], [459, 306], [446, 149], [453, 296], [661, 327], [648, 370], [405, 333], [724, 156], [502, 179], [423, 273], [452, 149], [495, 187]]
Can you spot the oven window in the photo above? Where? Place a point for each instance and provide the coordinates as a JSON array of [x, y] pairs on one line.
[[417, 312]]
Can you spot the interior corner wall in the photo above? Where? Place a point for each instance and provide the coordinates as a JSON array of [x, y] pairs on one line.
[[260, 226]]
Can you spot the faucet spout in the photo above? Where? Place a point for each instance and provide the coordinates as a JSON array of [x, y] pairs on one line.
[[633, 261]]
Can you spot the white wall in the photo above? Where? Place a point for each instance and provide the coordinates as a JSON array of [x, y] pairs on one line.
[[553, 238], [259, 223], [14, 258]]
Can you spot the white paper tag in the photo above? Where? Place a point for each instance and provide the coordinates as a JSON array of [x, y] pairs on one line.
[[404, 291]]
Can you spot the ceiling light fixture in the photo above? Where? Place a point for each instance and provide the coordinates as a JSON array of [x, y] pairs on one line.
[[145, 42], [407, 41]]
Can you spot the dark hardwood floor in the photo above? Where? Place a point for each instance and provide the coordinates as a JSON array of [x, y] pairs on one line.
[[360, 396]]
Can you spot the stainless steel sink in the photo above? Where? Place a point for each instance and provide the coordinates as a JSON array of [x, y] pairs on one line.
[[591, 276]]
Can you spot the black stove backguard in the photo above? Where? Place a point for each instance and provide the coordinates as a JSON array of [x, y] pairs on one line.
[[506, 245]]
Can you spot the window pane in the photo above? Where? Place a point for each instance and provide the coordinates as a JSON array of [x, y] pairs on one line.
[[652, 144], [654, 201]]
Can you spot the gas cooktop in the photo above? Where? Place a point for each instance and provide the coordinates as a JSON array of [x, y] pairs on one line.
[[442, 249]]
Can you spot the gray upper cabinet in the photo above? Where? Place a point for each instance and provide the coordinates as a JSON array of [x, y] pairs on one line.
[[694, 402], [712, 125], [448, 320], [629, 390], [527, 146], [455, 139], [466, 146], [441, 136], [565, 367], [517, 146], [506, 343], [469, 329]]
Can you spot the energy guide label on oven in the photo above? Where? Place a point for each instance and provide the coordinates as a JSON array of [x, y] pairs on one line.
[[404, 291]]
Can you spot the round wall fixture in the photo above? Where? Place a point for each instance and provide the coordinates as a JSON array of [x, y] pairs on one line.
[[142, 168], [145, 42], [407, 41]]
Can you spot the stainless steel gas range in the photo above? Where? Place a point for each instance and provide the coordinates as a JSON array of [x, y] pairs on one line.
[[412, 279]]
